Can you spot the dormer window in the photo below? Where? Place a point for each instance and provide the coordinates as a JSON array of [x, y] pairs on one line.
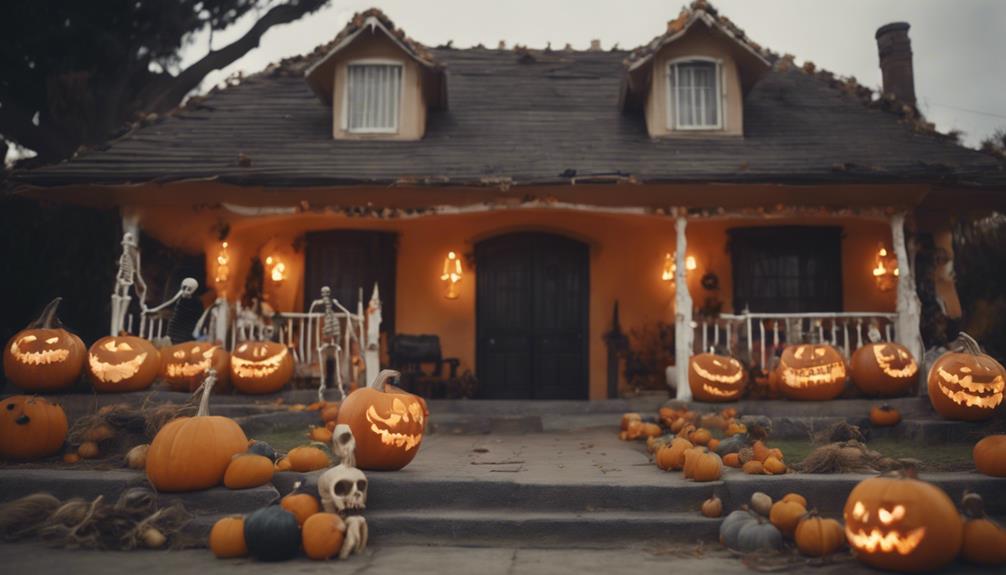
[[695, 95], [373, 97]]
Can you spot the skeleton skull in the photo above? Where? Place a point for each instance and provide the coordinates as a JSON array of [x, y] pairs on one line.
[[343, 490], [326, 291], [344, 445], [189, 286], [128, 239]]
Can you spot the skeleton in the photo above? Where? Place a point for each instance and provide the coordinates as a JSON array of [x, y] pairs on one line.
[[331, 333], [250, 321], [129, 271], [343, 490], [217, 316], [176, 332]]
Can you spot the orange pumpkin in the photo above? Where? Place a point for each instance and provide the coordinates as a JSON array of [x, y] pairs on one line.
[[732, 460], [322, 536], [700, 436], [672, 456], [716, 377], [785, 515], [817, 537], [259, 367], [307, 458], [248, 470], [387, 423], [902, 524], [984, 539], [883, 369], [300, 503], [712, 507], [184, 365], [707, 467], [884, 416], [795, 497], [990, 455], [192, 453], [227, 538], [773, 465], [967, 385], [31, 428], [122, 363], [319, 434], [753, 467], [44, 356], [811, 372]]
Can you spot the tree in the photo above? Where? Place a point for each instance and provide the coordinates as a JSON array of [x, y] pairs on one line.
[[75, 72]]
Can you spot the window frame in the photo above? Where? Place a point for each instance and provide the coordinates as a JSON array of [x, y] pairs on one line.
[[672, 102], [345, 95]]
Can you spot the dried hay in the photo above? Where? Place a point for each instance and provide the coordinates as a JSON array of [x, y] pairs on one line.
[[848, 457], [22, 517], [119, 427]]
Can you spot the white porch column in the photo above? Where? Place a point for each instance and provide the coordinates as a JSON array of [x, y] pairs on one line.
[[372, 348], [909, 308], [683, 334]]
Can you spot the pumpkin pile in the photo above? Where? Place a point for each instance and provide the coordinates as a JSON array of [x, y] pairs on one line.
[[764, 524]]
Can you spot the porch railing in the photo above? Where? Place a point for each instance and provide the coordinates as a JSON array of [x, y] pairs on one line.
[[757, 336]]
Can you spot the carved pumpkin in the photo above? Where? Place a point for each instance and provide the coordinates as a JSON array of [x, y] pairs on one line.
[[192, 453], [44, 356], [902, 524], [811, 372], [227, 538], [261, 367], [185, 365], [30, 427], [322, 536], [966, 385], [883, 369], [387, 423], [122, 363], [990, 455], [716, 377]]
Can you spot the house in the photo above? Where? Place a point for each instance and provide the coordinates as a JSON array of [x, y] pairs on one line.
[[699, 171]]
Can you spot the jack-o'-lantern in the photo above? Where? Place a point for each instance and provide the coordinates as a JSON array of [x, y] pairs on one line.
[[811, 372], [902, 524], [185, 365], [122, 363], [387, 423], [883, 369], [261, 367], [966, 385], [44, 356], [30, 427], [716, 378]]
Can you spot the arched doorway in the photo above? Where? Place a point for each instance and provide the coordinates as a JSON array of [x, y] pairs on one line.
[[532, 299]]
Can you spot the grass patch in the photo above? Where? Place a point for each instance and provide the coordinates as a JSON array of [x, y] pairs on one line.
[[285, 439], [934, 457]]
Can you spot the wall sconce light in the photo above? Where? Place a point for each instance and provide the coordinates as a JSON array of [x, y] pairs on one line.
[[223, 270], [451, 275], [671, 267], [276, 269], [885, 270]]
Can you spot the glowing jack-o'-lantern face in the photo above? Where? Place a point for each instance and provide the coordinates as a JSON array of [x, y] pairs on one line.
[[967, 385], [883, 369], [122, 363], [261, 367], [811, 372], [716, 378], [902, 524], [44, 357], [387, 423], [185, 365]]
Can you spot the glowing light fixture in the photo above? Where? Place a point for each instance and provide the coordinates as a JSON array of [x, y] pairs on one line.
[[223, 270], [671, 267], [885, 269], [452, 275], [277, 269]]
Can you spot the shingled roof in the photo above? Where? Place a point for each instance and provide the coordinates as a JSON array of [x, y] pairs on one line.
[[527, 117]]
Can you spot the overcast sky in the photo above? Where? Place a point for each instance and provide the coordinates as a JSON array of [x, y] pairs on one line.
[[959, 45]]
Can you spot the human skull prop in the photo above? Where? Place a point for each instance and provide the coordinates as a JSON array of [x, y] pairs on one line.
[[326, 291], [343, 490], [189, 286], [344, 445], [128, 239]]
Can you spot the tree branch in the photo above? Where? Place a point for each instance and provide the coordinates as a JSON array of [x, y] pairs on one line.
[[189, 79], [16, 126]]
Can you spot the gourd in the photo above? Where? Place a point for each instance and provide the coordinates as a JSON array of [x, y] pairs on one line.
[[227, 538], [272, 534]]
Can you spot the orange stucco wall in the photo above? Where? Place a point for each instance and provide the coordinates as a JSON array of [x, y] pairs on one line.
[[626, 259]]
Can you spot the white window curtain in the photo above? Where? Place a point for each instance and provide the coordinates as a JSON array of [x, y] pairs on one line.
[[695, 93], [372, 99]]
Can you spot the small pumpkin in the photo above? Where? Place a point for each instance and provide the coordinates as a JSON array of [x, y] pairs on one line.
[[732, 460], [282, 464], [761, 451], [387, 422], [122, 363], [248, 470], [753, 467], [262, 448], [761, 503], [773, 466], [691, 458], [984, 539], [708, 467], [817, 537], [272, 534], [227, 538], [89, 450], [713, 444], [31, 428], [301, 503], [185, 365], [716, 377], [814, 372], [628, 418], [650, 430], [700, 436], [747, 532], [71, 458], [735, 428], [322, 536], [966, 385], [329, 411], [192, 453], [307, 458], [883, 369], [259, 367], [990, 455], [136, 458], [795, 497], [319, 434], [672, 456], [44, 356], [884, 416], [785, 515], [712, 507]]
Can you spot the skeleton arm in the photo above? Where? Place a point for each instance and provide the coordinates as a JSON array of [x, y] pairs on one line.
[[356, 536], [164, 305], [141, 286], [202, 320]]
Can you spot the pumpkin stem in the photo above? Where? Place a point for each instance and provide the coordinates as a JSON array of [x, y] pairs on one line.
[[47, 319], [204, 403], [970, 345], [383, 377]]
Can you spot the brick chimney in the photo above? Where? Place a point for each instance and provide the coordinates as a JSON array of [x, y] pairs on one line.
[[895, 50]]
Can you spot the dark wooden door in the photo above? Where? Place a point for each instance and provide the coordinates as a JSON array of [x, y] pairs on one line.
[[532, 317], [347, 260]]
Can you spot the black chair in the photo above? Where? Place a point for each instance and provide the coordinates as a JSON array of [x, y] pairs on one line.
[[409, 353]]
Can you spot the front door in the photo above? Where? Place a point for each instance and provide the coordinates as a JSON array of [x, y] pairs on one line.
[[532, 313]]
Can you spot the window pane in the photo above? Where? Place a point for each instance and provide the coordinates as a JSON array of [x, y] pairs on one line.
[[696, 94], [373, 94]]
